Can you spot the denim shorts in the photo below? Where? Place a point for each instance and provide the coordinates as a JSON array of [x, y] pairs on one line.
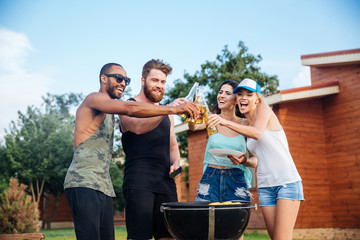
[[220, 185], [269, 195]]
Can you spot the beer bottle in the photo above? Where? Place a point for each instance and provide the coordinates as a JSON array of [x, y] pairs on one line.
[[190, 96], [199, 99], [207, 113]]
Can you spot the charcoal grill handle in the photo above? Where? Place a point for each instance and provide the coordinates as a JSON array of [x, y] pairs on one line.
[[211, 233], [162, 208]]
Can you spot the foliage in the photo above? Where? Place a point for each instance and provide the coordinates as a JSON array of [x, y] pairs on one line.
[[61, 104], [183, 142], [227, 66], [25, 150], [117, 181], [39, 145], [18, 213], [4, 165]]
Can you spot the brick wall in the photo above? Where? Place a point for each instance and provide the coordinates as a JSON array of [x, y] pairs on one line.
[[62, 213], [342, 136], [182, 188], [196, 150], [304, 127]]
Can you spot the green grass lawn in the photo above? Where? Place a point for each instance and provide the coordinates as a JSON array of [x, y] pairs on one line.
[[120, 234], [69, 233]]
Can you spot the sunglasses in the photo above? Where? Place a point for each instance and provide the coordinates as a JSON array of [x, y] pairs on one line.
[[120, 78]]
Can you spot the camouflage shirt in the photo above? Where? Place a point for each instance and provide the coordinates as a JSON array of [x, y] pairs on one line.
[[90, 165]]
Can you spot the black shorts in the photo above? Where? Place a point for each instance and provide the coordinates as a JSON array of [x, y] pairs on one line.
[[92, 213], [142, 214]]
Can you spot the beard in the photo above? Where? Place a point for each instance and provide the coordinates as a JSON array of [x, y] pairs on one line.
[[111, 90], [152, 96]]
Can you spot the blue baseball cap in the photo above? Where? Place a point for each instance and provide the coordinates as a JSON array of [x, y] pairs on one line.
[[248, 84]]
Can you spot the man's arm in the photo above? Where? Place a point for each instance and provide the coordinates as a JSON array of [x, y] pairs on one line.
[[139, 125], [174, 148], [103, 103], [144, 125]]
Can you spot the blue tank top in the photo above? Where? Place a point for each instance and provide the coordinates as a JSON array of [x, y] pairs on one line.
[[219, 141]]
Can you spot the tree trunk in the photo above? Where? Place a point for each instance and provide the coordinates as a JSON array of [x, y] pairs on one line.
[[45, 208], [39, 189], [55, 205]]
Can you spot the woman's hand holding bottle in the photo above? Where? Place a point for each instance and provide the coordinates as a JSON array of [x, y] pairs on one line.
[[214, 120]]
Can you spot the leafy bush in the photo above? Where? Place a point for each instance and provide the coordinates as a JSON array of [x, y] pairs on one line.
[[18, 213], [117, 181]]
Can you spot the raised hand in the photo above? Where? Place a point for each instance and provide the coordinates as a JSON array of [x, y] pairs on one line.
[[214, 120], [188, 108]]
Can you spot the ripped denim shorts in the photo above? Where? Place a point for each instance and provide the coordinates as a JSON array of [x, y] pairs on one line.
[[220, 185], [268, 196]]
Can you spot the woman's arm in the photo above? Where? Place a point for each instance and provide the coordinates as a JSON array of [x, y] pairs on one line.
[[255, 130]]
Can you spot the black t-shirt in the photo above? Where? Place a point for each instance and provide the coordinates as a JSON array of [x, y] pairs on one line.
[[147, 163]]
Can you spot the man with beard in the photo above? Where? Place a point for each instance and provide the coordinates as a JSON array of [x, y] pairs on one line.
[[88, 186], [151, 153]]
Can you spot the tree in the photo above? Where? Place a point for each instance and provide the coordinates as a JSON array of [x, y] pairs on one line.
[[60, 144], [40, 146], [227, 66], [5, 171], [117, 181]]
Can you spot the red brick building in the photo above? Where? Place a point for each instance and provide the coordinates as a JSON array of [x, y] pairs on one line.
[[322, 125]]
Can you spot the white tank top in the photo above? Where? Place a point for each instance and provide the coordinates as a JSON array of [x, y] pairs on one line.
[[275, 164]]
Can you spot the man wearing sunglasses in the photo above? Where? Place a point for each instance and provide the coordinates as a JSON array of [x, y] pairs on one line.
[[151, 153], [88, 186]]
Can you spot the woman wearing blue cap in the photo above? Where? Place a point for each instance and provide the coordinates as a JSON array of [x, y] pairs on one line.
[[279, 183]]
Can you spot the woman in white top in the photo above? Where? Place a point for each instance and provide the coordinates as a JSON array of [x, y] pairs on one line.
[[279, 183]]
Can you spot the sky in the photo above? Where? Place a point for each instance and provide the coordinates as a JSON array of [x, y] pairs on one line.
[[59, 46]]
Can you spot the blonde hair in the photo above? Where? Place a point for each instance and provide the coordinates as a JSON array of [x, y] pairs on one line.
[[261, 100]]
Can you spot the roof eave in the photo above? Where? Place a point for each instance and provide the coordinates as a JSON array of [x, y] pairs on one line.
[[301, 95], [182, 127], [351, 56]]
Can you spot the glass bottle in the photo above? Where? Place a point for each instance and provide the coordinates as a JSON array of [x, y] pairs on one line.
[[190, 96], [199, 99], [207, 113]]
